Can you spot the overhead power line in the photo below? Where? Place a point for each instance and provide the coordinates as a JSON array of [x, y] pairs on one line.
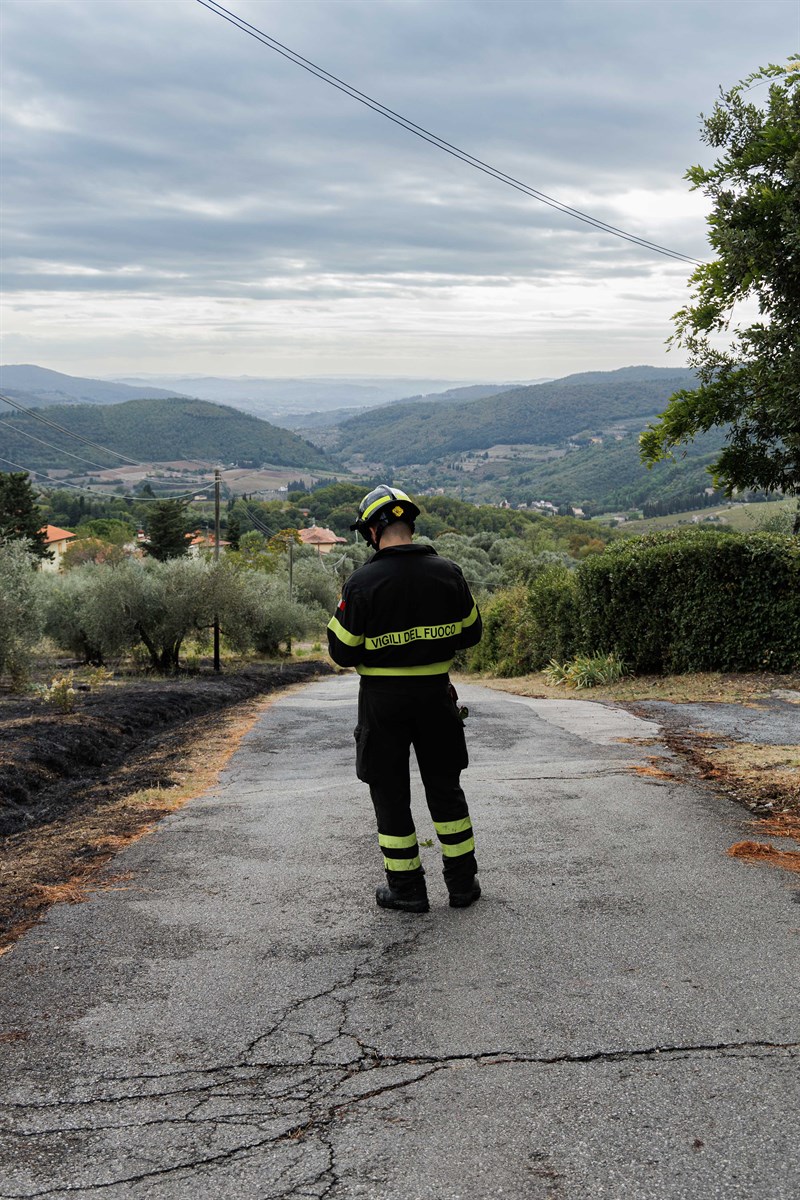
[[32, 412], [257, 522], [36, 415], [52, 446], [440, 143]]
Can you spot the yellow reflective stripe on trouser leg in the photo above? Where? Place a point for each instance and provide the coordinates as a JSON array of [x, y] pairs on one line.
[[459, 848], [397, 843], [406, 841], [402, 864], [459, 826]]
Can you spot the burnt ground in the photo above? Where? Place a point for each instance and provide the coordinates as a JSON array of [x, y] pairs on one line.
[[75, 787]]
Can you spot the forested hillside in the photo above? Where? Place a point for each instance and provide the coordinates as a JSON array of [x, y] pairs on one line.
[[545, 413], [155, 431], [611, 476]]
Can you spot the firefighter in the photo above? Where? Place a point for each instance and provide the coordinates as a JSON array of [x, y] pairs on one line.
[[401, 618]]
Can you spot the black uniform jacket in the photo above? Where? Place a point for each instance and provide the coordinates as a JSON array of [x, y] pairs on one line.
[[405, 612]]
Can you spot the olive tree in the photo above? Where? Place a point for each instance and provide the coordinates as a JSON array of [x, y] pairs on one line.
[[102, 612], [22, 621], [315, 583], [63, 607], [155, 604]]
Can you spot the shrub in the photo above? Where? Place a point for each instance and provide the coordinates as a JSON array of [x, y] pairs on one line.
[[525, 627], [586, 670], [553, 605], [680, 600], [60, 692], [499, 648]]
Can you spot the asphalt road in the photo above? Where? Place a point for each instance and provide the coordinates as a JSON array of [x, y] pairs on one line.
[[619, 1016]]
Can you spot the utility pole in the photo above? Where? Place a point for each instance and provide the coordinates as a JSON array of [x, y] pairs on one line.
[[291, 572], [216, 560]]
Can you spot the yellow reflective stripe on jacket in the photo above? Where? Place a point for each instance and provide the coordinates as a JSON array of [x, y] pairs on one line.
[[397, 843], [344, 635], [419, 633], [402, 864], [459, 826], [428, 669], [471, 619], [459, 848]]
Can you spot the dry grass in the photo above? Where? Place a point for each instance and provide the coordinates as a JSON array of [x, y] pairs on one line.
[[706, 687], [653, 771], [780, 825], [765, 774], [65, 861]]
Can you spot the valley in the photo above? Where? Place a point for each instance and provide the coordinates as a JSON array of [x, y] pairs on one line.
[[564, 445]]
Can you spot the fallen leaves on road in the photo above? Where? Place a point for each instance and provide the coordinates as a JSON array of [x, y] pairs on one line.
[[781, 825], [651, 769], [762, 852]]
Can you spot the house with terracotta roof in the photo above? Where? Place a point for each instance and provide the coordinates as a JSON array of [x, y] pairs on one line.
[[56, 540], [199, 542], [322, 539]]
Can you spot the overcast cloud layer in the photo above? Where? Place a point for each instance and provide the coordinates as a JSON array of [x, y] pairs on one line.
[[179, 198]]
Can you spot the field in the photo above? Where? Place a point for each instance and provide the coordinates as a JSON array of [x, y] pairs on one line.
[[189, 474], [744, 518]]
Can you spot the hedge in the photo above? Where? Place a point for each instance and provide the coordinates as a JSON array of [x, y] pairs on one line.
[[679, 600], [695, 601]]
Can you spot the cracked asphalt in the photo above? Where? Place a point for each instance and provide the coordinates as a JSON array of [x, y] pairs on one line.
[[233, 1017]]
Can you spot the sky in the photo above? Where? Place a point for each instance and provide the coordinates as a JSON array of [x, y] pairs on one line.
[[180, 199]]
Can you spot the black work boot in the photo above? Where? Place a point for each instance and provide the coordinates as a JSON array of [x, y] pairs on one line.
[[464, 893], [408, 895]]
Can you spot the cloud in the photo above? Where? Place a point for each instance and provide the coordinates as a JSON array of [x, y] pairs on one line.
[[160, 162]]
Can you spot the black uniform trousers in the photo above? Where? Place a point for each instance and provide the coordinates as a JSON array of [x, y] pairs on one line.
[[395, 713]]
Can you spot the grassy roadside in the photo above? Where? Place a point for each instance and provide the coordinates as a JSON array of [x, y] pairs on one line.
[[710, 687]]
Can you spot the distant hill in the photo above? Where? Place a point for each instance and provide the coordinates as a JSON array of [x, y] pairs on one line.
[[541, 414], [472, 391], [337, 416], [153, 431], [35, 387]]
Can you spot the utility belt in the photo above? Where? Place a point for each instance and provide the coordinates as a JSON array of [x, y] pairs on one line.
[[405, 683]]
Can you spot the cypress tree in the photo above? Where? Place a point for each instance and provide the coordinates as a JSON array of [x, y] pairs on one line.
[[19, 513]]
